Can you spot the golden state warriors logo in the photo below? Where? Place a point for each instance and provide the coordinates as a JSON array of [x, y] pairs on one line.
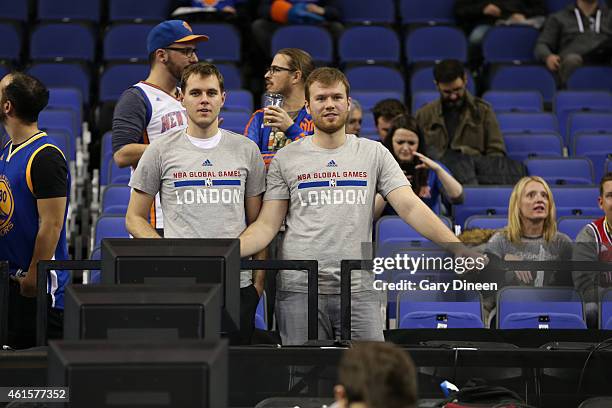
[[7, 206]]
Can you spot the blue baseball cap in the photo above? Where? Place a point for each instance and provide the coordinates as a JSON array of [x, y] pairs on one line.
[[169, 32]]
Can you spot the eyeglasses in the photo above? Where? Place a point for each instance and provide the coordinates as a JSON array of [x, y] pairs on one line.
[[273, 69], [188, 52]]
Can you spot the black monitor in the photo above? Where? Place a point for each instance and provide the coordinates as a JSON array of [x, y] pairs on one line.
[[119, 312], [102, 373], [174, 261]]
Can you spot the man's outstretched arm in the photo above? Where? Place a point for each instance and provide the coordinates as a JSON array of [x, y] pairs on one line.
[[260, 233]]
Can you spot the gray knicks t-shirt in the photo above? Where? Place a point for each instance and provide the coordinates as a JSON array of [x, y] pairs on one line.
[[331, 193], [202, 190]]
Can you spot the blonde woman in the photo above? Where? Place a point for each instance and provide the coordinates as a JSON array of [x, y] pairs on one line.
[[531, 234]]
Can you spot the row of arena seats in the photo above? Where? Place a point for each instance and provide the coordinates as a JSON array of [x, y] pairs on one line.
[[353, 11]]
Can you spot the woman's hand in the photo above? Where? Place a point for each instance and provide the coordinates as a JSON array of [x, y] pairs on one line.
[[522, 276], [426, 163]]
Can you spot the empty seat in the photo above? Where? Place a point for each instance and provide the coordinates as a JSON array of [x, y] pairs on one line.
[[227, 46], [319, 44], [375, 78], [14, 10], [591, 78], [68, 10], [422, 98], [117, 78], [567, 102], [571, 225], [433, 44], [576, 200], [67, 98], [110, 226], [63, 140], [106, 155], [427, 12], [486, 222], [62, 75], [527, 123], [521, 146], [134, 10], [427, 309], [235, 121], [524, 78], [514, 101], [561, 170], [118, 175], [62, 119], [482, 201], [588, 122], [364, 12], [231, 76], [392, 229], [539, 308], [10, 47], [509, 44], [115, 199], [596, 147], [371, 98], [59, 42], [239, 100], [423, 80], [369, 45], [94, 275], [127, 42]]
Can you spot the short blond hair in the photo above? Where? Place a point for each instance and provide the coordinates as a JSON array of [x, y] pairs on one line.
[[326, 76]]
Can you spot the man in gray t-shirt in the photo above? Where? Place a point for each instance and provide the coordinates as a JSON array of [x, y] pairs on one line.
[[325, 185], [210, 180]]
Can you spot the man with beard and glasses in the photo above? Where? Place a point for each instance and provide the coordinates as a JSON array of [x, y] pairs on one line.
[[273, 127], [152, 108], [581, 33], [458, 123], [325, 185]]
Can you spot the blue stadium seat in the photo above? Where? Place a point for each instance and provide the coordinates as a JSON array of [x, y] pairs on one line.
[[422, 98], [117, 78], [591, 78], [369, 45], [571, 225], [69, 10], [63, 75], [63, 140], [106, 155], [225, 49], [110, 226], [427, 12], [527, 123], [118, 175], [608, 165], [433, 44], [60, 42], [375, 78], [239, 100], [368, 127], [576, 200], [56, 121], [482, 201], [115, 199], [514, 101], [588, 122], [363, 12], [392, 229], [539, 308], [427, 309], [94, 275], [231, 76], [423, 80], [67, 98], [509, 44], [134, 10], [561, 170], [126, 42], [486, 222], [596, 147], [524, 78], [10, 47], [260, 313], [567, 102], [605, 314], [521, 146], [368, 99], [14, 10], [234, 121], [320, 48], [556, 5]]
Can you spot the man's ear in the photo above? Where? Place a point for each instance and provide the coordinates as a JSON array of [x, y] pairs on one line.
[[307, 106], [600, 202], [297, 76]]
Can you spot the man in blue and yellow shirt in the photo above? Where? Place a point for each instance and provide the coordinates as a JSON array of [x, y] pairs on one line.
[[34, 191]]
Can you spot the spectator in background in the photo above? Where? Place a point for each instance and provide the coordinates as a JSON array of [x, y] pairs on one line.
[[428, 178], [274, 127], [594, 242], [579, 34], [459, 125], [353, 124], [384, 112], [376, 375]]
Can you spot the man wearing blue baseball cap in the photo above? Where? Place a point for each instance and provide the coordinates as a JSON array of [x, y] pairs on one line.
[[151, 108]]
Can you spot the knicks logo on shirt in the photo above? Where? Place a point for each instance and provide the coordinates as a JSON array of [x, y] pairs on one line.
[[7, 206], [210, 3], [171, 120]]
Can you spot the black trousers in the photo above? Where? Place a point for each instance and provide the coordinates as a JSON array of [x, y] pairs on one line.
[[249, 298], [22, 319]]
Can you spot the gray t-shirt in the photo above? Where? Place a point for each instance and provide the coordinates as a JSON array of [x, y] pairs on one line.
[[202, 190], [331, 193], [535, 249]]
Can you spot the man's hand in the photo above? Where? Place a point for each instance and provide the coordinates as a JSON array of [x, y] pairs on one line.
[[27, 286], [313, 8], [553, 61], [229, 10], [491, 10], [277, 117], [517, 18]]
